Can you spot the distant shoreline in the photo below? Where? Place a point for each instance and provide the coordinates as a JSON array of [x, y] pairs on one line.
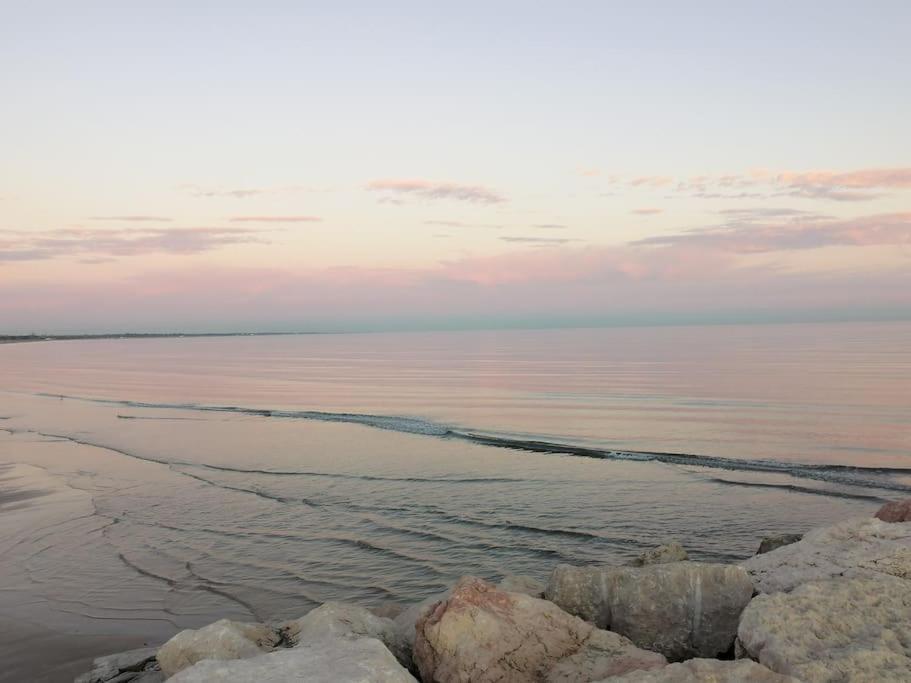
[[19, 339]]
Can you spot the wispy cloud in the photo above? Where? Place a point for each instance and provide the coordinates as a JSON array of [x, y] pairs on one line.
[[460, 224], [132, 219], [651, 181], [276, 219], [648, 211], [236, 193], [550, 226], [749, 237], [245, 192], [843, 186], [428, 189], [89, 244], [528, 239]]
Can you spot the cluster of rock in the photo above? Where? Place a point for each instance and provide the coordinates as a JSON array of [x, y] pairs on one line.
[[833, 605]]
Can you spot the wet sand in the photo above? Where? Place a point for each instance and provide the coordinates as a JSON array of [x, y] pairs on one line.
[[28, 651], [35, 654]]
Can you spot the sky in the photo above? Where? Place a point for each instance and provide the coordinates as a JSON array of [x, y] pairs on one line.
[[301, 166]]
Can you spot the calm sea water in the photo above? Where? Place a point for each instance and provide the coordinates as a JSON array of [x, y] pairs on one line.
[[165, 483]]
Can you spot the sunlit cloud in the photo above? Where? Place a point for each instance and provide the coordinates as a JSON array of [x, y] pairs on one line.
[[647, 211], [813, 232], [524, 239], [276, 219], [245, 192], [89, 244], [651, 181], [843, 186], [132, 219], [550, 226], [460, 224], [428, 189]]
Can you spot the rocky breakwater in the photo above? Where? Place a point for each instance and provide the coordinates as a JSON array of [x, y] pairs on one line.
[[834, 605]]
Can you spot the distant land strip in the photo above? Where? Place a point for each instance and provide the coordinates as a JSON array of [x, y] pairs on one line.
[[18, 338]]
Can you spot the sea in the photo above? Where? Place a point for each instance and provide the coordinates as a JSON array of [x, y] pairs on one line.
[[151, 485]]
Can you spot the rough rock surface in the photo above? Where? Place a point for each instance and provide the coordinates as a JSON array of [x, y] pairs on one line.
[[896, 511], [672, 552], [706, 671], [225, 639], [482, 634], [388, 610], [859, 547], [328, 660], [111, 666], [770, 543], [834, 630], [406, 622], [516, 583], [682, 609], [342, 620]]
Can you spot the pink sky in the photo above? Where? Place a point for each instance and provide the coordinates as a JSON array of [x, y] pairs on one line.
[[467, 176]]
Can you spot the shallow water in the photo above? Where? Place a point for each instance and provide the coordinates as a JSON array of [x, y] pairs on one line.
[[382, 467]]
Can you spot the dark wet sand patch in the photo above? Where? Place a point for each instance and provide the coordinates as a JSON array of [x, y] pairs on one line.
[[32, 653]]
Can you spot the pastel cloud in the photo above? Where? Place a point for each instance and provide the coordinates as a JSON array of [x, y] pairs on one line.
[[528, 239], [246, 192], [844, 186], [132, 219], [577, 283], [460, 224], [428, 189], [276, 219], [648, 211], [42, 246], [748, 237]]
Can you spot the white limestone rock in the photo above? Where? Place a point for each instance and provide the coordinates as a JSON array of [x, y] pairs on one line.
[[833, 630], [859, 547], [326, 660], [225, 639], [705, 671]]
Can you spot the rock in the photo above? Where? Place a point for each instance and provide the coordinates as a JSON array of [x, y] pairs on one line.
[[516, 583], [111, 666], [388, 610], [834, 630], [672, 552], [770, 543], [328, 660], [225, 639], [682, 609], [406, 621], [896, 511], [704, 671], [859, 547], [341, 620], [482, 634], [156, 676]]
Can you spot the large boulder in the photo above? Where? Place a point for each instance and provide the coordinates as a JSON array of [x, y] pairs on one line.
[[770, 543], [705, 671], [225, 639], [671, 552], [517, 583], [481, 634], [109, 667], [895, 511], [327, 660], [859, 547], [834, 630], [407, 620], [682, 609], [343, 620]]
